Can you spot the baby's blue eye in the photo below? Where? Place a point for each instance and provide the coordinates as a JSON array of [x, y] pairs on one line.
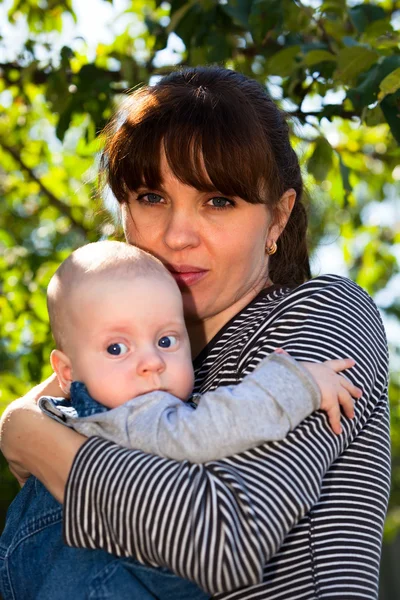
[[117, 349], [167, 341]]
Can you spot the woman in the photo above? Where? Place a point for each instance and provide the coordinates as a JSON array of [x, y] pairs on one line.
[[206, 179]]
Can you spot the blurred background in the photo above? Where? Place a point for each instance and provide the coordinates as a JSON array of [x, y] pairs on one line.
[[333, 66]]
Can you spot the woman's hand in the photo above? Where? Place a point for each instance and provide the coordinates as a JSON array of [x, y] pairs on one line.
[[49, 387], [32, 443], [10, 440]]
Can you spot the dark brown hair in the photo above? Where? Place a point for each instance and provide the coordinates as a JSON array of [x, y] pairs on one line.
[[218, 126]]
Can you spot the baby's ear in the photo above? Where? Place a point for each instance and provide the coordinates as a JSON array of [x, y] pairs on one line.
[[62, 368]]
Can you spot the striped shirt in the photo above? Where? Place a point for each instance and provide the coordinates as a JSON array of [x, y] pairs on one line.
[[300, 518]]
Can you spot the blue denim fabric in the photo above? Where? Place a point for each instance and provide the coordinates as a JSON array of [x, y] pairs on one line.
[[81, 404], [35, 564]]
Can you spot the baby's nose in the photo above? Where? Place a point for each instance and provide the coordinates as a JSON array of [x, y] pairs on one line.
[[150, 362]]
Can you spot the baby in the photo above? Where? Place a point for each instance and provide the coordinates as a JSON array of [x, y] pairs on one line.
[[121, 344]]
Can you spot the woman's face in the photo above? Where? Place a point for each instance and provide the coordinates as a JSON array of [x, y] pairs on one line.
[[214, 246]]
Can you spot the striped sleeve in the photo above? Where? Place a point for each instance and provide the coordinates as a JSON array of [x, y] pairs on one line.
[[219, 523]]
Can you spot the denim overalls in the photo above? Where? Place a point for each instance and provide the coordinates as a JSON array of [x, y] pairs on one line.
[[35, 564]]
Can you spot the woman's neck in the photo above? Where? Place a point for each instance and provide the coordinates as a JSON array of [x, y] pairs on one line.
[[202, 331], [197, 337]]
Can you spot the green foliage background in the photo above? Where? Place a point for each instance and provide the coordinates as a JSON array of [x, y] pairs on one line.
[[334, 66]]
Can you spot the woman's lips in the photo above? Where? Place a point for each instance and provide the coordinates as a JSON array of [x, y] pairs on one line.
[[186, 276]]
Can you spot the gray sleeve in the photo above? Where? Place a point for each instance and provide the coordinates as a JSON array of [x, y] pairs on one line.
[[268, 403], [265, 406]]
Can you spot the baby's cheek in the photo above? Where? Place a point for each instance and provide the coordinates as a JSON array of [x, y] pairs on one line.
[[187, 380], [102, 387]]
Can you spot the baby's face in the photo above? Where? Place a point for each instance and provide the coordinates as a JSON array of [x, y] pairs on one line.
[[128, 337]]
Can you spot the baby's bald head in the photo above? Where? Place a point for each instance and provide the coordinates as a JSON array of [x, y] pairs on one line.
[[100, 260]]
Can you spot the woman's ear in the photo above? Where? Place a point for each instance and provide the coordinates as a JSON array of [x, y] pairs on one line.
[[62, 368], [284, 209]]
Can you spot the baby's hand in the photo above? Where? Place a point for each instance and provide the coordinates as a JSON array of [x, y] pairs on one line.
[[336, 391]]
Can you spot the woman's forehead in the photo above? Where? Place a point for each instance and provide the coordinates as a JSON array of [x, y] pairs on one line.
[[168, 173], [198, 157]]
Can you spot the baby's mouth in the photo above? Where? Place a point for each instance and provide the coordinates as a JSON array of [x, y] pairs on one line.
[[154, 387]]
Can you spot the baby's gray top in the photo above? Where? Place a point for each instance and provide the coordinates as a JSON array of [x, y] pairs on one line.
[[265, 406]]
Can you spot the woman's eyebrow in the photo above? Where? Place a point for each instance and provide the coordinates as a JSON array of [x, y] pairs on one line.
[[145, 188], [160, 188]]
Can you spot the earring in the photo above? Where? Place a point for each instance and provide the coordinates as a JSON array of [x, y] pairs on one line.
[[271, 249]]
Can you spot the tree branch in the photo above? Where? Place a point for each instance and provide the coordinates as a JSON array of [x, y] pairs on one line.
[[319, 23], [53, 200], [339, 112]]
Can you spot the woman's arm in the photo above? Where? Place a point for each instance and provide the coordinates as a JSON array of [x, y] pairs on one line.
[[271, 401], [219, 523], [228, 420], [34, 444], [49, 387]]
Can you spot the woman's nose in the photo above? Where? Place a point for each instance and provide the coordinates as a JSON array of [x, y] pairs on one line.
[[181, 231], [149, 363]]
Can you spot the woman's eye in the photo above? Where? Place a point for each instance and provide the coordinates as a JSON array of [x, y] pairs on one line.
[[117, 349], [220, 202], [167, 341], [150, 198]]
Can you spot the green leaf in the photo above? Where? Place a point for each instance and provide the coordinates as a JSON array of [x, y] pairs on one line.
[[239, 10], [39, 306], [178, 14], [367, 91], [283, 63], [373, 116], [352, 62], [391, 109], [364, 14], [378, 32], [266, 16], [390, 84], [317, 56], [345, 174], [188, 22], [218, 47], [336, 7], [320, 162]]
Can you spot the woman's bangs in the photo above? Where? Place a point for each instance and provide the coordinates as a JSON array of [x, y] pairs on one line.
[[209, 145], [139, 158], [211, 155]]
